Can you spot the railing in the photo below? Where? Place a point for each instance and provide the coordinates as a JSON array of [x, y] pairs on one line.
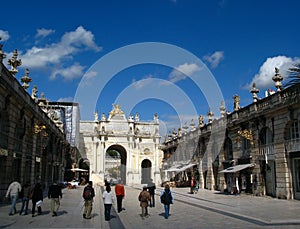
[[292, 145], [267, 149]]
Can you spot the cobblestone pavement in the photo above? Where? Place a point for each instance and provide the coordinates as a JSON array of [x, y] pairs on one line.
[[206, 209]]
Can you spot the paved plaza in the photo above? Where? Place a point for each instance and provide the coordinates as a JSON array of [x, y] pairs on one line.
[[206, 209]]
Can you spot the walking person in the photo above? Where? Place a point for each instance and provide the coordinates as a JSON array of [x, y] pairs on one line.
[[167, 198], [192, 185], [26, 190], [54, 193], [144, 198], [37, 199], [88, 196], [151, 189], [120, 194], [13, 192], [108, 199]]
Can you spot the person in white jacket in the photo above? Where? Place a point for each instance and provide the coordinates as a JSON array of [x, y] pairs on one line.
[[13, 192], [108, 199]]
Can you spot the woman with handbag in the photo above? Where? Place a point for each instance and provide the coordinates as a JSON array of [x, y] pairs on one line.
[[37, 198]]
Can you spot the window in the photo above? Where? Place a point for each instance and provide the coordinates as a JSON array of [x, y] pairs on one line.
[[295, 130]]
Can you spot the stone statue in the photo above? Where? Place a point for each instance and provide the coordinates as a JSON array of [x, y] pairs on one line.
[[236, 100], [103, 117], [34, 92], [137, 117], [96, 116], [201, 120]]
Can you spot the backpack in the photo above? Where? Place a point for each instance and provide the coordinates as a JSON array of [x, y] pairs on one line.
[[88, 194], [166, 198]]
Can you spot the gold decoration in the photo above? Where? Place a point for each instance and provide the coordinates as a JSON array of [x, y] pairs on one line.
[[40, 129], [246, 134]]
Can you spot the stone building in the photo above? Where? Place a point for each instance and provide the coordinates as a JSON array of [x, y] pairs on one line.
[[33, 147], [136, 142], [254, 149]]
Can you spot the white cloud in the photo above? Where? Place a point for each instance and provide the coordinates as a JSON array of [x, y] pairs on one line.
[[214, 59], [263, 78], [44, 32], [4, 35], [72, 72], [54, 55], [66, 99], [183, 71], [140, 84]]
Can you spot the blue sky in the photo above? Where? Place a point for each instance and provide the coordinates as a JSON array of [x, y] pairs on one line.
[[239, 42]]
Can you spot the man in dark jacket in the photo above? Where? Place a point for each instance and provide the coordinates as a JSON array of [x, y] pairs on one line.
[[54, 193], [151, 189]]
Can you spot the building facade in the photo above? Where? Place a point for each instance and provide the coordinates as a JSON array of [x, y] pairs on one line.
[[254, 149], [136, 142], [33, 148]]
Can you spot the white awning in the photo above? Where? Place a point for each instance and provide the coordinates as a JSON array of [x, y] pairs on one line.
[[179, 168], [174, 168], [77, 170], [237, 168], [185, 167]]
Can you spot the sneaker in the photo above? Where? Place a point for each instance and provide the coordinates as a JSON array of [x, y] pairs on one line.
[[84, 216], [54, 214]]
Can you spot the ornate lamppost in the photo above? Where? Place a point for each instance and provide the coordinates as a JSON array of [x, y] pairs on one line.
[[41, 131]]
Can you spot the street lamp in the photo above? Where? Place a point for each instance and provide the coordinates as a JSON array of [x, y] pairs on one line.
[[41, 131]]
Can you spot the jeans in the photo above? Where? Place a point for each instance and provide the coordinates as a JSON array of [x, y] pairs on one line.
[[107, 208], [25, 202], [13, 199], [167, 210]]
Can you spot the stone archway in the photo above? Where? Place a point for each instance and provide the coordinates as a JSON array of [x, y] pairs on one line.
[[123, 158], [146, 171]]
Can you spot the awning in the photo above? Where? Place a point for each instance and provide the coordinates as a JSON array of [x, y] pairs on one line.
[[173, 168], [237, 168], [77, 170], [179, 168], [185, 167]]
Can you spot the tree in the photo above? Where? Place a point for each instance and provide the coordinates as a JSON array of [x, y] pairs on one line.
[[293, 75]]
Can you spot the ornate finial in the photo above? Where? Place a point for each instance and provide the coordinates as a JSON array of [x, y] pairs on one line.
[[14, 62], [210, 115], [277, 78], [2, 54], [26, 79], [254, 92], [222, 109], [237, 100]]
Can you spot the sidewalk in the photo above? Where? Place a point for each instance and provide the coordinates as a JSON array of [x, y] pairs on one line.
[[69, 213], [206, 209]]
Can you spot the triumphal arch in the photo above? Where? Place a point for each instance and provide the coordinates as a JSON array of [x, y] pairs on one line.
[[138, 157]]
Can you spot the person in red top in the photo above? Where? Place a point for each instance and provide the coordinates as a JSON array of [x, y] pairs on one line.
[[120, 194]]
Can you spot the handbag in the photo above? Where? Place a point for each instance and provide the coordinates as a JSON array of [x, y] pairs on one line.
[[39, 203]]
